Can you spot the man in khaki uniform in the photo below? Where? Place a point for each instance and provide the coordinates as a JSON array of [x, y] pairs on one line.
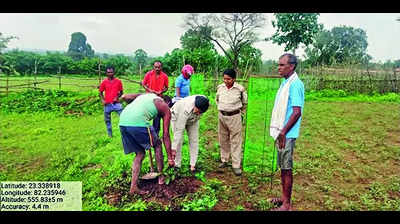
[[185, 114], [231, 102]]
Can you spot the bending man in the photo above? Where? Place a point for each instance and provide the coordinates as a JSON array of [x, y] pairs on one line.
[[138, 135], [186, 114]]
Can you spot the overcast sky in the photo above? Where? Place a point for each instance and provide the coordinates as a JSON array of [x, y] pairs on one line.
[[159, 33]]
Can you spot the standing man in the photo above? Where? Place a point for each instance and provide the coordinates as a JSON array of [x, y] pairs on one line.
[[182, 83], [156, 81], [185, 114], [113, 90], [285, 125], [231, 102], [138, 136]]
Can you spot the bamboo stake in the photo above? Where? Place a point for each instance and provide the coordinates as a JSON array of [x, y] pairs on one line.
[[7, 86], [99, 72]]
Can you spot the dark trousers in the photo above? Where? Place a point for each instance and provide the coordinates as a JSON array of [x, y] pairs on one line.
[[156, 124]]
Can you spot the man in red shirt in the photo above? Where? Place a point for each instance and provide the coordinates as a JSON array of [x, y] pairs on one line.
[[113, 90], [156, 81]]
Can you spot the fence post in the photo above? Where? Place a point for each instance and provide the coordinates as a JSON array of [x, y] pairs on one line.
[[28, 83], [59, 82], [7, 85], [99, 72], [34, 84], [395, 81]]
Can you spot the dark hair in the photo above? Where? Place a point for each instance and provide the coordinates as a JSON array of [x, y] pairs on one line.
[[202, 103], [157, 61], [110, 67], [291, 59], [231, 73]]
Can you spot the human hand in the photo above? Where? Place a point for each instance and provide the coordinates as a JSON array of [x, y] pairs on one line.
[[281, 140], [171, 163], [121, 98], [173, 154], [103, 102]]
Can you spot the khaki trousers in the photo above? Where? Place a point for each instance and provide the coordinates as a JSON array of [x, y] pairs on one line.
[[193, 134], [230, 138]]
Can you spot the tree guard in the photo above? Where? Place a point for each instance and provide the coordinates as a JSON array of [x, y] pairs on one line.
[[259, 155]]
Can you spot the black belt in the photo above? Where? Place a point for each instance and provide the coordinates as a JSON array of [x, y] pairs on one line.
[[226, 113]]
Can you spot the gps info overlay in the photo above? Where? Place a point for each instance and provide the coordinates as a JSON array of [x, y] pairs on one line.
[[41, 196]]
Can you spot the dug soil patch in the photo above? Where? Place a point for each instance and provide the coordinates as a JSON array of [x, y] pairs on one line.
[[163, 194]]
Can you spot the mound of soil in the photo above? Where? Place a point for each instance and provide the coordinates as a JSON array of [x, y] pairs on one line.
[[160, 193], [177, 188]]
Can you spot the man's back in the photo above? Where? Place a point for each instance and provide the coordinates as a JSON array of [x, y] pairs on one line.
[[296, 98], [140, 112]]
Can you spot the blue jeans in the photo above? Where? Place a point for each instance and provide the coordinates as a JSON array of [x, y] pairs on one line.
[[108, 108]]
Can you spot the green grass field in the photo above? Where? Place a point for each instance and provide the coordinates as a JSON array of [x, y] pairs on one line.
[[346, 158]]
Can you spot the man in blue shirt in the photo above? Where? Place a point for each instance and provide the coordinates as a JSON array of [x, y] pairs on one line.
[[291, 127], [182, 83]]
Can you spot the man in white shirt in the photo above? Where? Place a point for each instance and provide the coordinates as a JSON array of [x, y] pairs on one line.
[[185, 114]]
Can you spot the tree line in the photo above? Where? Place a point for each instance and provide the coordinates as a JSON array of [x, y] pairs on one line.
[[232, 33]]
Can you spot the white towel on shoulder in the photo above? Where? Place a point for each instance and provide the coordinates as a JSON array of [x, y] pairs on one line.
[[280, 106]]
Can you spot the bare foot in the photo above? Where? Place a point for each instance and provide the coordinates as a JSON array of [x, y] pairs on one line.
[[192, 168], [161, 179]]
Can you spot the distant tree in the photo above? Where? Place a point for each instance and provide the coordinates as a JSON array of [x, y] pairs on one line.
[[55, 62], [234, 30], [172, 62], [4, 41], [193, 39], [269, 66], [5, 65], [78, 48], [140, 57], [294, 29], [344, 44], [323, 50], [397, 63], [250, 58], [120, 62], [24, 62]]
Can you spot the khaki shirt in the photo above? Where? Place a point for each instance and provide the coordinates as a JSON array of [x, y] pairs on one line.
[[231, 99], [182, 115]]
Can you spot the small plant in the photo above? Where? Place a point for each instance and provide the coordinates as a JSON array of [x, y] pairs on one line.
[[263, 205], [200, 176], [201, 202], [170, 175], [139, 205], [239, 208]]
